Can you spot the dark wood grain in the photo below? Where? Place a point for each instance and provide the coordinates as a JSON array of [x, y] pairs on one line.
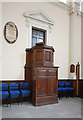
[[41, 75], [73, 84]]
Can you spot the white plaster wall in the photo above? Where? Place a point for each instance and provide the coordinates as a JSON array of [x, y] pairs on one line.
[[82, 40], [14, 54], [0, 53], [1, 40], [79, 43]]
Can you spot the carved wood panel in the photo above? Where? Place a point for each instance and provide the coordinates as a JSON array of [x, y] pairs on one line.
[[46, 82], [39, 55], [47, 56], [41, 86], [51, 86], [41, 74]]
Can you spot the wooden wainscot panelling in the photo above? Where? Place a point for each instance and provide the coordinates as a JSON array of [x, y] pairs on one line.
[[73, 84], [12, 81], [80, 88]]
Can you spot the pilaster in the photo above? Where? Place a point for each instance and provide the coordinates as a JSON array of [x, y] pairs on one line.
[[74, 38]]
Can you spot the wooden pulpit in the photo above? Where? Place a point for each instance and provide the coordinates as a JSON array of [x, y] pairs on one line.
[[41, 75]]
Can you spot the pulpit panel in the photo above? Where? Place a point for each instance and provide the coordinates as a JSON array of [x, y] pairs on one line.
[[41, 75]]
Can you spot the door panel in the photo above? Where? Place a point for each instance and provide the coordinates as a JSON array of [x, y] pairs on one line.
[[46, 82], [51, 85], [41, 86]]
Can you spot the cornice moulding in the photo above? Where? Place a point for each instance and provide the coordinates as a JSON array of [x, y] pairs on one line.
[[67, 7], [73, 11], [62, 5], [74, 8]]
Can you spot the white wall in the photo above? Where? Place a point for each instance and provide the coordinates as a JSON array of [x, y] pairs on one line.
[[1, 41], [82, 40], [14, 54], [82, 44], [79, 43], [0, 51]]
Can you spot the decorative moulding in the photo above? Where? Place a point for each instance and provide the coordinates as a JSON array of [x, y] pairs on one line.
[[39, 15], [62, 5], [38, 19], [74, 7]]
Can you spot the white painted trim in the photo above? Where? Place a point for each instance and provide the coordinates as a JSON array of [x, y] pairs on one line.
[[73, 11], [74, 7], [62, 5], [41, 24], [67, 6], [31, 13], [10, 79]]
